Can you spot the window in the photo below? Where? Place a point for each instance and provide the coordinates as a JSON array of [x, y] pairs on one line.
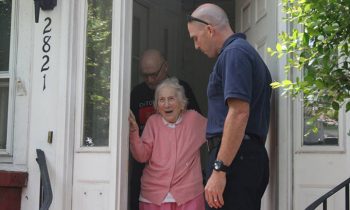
[[97, 73], [326, 130], [5, 72]]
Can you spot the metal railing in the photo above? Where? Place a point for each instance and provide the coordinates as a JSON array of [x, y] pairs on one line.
[[45, 185], [323, 199]]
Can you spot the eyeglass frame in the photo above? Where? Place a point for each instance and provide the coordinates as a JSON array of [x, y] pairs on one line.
[[154, 75], [190, 18]]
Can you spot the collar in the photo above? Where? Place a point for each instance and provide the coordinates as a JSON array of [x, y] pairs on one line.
[[231, 39], [172, 125]]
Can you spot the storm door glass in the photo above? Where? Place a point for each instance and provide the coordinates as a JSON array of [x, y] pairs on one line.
[[5, 35], [97, 73]]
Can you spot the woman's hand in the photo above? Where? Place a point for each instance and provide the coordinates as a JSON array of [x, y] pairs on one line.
[[132, 122]]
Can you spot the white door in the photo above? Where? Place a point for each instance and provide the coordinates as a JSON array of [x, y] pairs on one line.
[[140, 37], [257, 19], [102, 83], [321, 161]]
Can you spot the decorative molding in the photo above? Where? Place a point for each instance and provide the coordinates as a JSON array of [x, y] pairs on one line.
[[245, 16], [260, 10], [261, 46]]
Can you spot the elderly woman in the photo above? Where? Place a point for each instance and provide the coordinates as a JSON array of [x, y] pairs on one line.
[[170, 147]]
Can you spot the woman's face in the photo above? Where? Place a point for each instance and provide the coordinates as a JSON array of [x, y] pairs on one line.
[[169, 106]]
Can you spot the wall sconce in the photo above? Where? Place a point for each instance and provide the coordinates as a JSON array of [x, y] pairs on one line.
[[44, 5]]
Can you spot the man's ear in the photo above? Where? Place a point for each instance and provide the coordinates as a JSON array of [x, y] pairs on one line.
[[211, 30]]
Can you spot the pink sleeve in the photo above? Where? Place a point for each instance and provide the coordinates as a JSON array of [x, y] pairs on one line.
[[141, 148], [203, 127]]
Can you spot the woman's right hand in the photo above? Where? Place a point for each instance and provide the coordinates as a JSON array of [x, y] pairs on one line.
[[132, 122]]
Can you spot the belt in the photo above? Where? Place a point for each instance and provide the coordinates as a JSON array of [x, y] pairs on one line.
[[215, 141]]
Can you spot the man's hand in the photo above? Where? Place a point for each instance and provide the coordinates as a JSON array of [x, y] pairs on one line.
[[214, 189]]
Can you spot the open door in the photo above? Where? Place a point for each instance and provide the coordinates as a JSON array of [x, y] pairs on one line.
[[103, 31], [257, 19], [165, 29]]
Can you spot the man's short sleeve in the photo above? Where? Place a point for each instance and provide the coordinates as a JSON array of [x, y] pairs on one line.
[[237, 75]]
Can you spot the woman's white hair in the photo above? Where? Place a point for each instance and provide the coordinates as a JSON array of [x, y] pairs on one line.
[[173, 83]]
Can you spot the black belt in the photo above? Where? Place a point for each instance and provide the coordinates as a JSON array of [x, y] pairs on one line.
[[215, 141]]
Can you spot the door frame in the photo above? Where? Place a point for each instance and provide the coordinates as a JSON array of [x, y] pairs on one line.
[[285, 143], [121, 60], [120, 96]]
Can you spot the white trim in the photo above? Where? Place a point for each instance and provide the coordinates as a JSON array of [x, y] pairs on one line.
[[120, 98], [285, 131], [12, 167], [80, 38], [299, 133], [65, 125]]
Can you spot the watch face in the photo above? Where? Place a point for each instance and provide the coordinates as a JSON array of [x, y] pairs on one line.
[[218, 165]]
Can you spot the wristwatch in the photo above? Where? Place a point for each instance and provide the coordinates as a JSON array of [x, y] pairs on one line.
[[219, 166]]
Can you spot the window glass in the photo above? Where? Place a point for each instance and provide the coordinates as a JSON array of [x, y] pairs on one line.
[[325, 130], [5, 31], [97, 73], [4, 95]]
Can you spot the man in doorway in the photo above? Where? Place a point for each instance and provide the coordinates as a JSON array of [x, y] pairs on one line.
[[238, 112], [154, 69]]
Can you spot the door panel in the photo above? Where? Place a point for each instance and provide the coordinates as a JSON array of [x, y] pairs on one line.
[[319, 167], [92, 151], [101, 104], [257, 19]]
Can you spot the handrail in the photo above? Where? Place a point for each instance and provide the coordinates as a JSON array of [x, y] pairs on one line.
[[45, 185], [323, 199]]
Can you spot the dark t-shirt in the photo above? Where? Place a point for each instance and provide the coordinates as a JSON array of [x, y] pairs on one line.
[[141, 102], [239, 73]]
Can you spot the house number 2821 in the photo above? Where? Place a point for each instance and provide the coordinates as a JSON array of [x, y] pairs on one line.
[[46, 49]]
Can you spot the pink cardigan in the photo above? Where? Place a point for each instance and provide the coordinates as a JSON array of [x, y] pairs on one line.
[[172, 157]]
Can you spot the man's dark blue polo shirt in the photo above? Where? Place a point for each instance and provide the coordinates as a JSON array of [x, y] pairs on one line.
[[239, 73]]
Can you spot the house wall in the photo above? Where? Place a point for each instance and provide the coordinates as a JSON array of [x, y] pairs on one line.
[[40, 53], [39, 111]]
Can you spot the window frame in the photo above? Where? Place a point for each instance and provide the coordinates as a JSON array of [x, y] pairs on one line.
[[6, 154], [80, 86], [298, 124]]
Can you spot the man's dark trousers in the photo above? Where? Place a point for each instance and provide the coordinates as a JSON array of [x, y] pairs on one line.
[[246, 178]]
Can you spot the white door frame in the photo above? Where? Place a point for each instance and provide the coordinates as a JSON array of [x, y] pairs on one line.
[[120, 96], [284, 130]]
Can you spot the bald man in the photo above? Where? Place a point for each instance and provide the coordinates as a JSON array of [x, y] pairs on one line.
[[154, 69], [238, 113]]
